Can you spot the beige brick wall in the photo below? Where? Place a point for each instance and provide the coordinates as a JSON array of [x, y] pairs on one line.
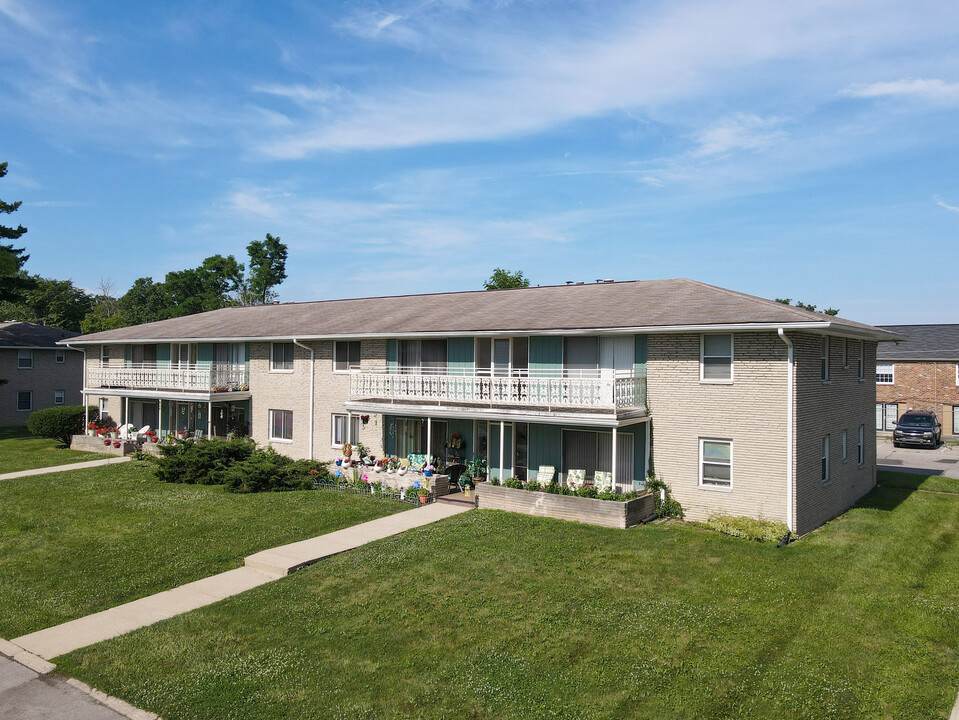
[[42, 380], [842, 403], [751, 411], [291, 391]]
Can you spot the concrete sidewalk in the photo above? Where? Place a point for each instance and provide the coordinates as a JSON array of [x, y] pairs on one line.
[[63, 468], [263, 567]]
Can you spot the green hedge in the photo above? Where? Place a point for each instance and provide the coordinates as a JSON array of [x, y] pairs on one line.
[[198, 462], [749, 528], [61, 423]]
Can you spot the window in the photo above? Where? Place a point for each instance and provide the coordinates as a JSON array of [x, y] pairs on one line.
[[61, 356], [862, 439], [24, 401], [824, 359], [281, 357], [58, 397], [845, 353], [885, 373], [844, 446], [346, 355], [104, 408], [281, 424], [183, 354], [861, 361], [825, 459], [716, 463], [25, 359], [340, 435], [716, 358], [104, 355]]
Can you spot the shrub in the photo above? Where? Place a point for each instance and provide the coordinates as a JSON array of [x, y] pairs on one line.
[[666, 504], [749, 528], [198, 462], [61, 423], [268, 471], [514, 483]]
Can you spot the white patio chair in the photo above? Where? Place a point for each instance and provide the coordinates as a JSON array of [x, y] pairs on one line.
[[128, 432], [576, 478], [545, 474], [141, 434], [603, 481]]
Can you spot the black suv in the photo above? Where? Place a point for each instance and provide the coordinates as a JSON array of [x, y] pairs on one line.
[[917, 427]]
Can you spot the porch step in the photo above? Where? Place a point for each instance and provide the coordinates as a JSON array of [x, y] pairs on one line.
[[458, 499]]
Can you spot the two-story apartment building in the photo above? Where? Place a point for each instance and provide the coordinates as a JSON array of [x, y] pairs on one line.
[[742, 405], [36, 373], [920, 373]]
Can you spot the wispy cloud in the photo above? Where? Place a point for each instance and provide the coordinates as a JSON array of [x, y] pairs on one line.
[[943, 204], [926, 89], [739, 132]]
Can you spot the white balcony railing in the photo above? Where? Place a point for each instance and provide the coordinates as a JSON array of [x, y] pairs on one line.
[[200, 377], [600, 390]]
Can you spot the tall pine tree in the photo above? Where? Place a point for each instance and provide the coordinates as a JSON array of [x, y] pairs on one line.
[[12, 281]]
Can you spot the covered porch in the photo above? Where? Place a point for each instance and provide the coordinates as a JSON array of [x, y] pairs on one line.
[[216, 415]]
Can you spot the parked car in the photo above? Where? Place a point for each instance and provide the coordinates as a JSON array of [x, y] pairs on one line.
[[917, 427]]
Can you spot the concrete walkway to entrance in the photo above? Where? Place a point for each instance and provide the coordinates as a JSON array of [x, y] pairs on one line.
[[263, 567], [63, 468]]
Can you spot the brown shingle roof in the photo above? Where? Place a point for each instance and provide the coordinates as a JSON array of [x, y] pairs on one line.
[[555, 308]]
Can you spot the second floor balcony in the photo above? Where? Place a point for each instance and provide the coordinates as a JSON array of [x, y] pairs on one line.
[[197, 377], [600, 390]]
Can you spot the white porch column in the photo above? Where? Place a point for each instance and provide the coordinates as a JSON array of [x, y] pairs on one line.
[[126, 411], [349, 426], [86, 412], [614, 459], [160, 419], [209, 419], [502, 448], [429, 438]]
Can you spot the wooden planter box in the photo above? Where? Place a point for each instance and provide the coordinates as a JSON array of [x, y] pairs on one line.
[[605, 513]]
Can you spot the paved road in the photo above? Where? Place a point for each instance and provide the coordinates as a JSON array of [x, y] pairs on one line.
[[25, 695], [944, 460]]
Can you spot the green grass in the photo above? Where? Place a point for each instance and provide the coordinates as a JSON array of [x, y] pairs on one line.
[[914, 481], [19, 450], [80, 541], [494, 615]]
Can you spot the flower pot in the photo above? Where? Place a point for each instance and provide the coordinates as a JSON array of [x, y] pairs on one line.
[[116, 443], [153, 439], [401, 471], [423, 499], [339, 462], [428, 473], [107, 441]]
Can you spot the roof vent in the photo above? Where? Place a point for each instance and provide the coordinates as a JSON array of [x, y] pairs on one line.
[[580, 282], [608, 280], [570, 282]]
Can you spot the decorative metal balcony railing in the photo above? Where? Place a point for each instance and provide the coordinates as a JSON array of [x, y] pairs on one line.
[[603, 390], [200, 377]]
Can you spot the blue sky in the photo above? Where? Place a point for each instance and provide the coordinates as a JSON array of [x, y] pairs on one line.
[[797, 149]]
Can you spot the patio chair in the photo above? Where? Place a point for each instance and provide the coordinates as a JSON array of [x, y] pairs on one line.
[[575, 478], [128, 432], [141, 434], [545, 474], [603, 481], [417, 462]]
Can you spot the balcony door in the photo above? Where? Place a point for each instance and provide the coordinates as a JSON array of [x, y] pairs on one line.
[[616, 353], [423, 357], [183, 354], [229, 353], [581, 356], [502, 357], [144, 355]]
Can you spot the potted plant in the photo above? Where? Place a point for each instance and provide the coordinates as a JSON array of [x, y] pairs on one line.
[[365, 419], [476, 468], [91, 429], [428, 470], [107, 441], [424, 494], [116, 443], [152, 436]]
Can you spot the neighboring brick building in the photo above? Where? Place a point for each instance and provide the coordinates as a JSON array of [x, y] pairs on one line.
[[921, 373], [38, 373], [741, 404]]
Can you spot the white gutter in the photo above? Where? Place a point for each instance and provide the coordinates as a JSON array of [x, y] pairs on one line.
[[790, 383], [312, 382], [837, 329]]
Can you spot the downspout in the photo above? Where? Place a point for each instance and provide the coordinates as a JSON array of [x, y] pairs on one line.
[[312, 382], [790, 384]]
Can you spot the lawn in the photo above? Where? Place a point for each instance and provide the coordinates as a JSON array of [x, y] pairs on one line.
[[494, 615], [80, 541], [20, 450], [915, 481]]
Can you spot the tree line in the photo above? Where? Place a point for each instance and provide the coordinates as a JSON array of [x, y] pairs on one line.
[[216, 283]]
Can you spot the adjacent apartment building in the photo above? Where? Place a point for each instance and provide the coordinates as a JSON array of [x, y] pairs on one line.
[[743, 405], [921, 373], [35, 372]]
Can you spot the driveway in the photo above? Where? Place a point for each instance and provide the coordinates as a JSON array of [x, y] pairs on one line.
[[26, 695], [944, 460]]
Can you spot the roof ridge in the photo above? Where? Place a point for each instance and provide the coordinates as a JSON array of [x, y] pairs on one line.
[[773, 303]]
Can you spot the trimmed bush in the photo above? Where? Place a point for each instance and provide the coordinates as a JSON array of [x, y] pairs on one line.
[[749, 528], [268, 471], [61, 423], [198, 462]]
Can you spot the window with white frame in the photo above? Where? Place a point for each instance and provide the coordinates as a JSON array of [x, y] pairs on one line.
[[824, 359], [715, 463], [339, 424], [25, 359], [104, 355], [885, 373], [825, 459], [844, 446], [346, 355], [861, 361], [281, 424], [281, 357], [60, 356], [58, 397], [862, 440], [716, 358], [24, 401], [104, 408]]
